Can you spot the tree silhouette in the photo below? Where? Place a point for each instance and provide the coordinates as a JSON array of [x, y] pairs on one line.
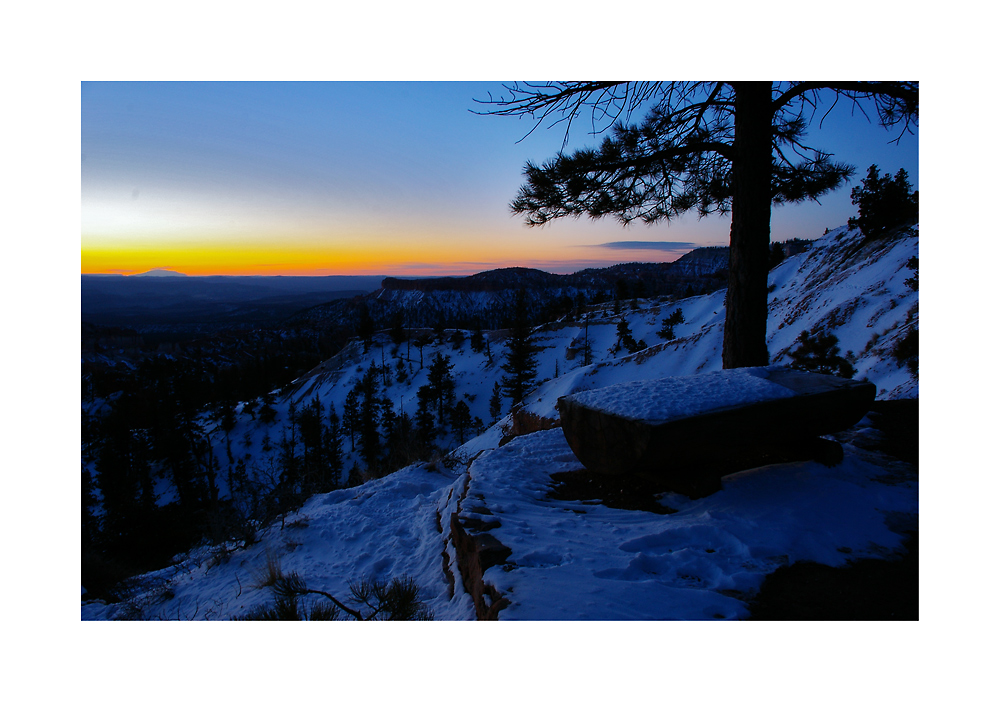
[[442, 384], [334, 455], [519, 368], [495, 402], [366, 326], [820, 354], [708, 147], [461, 420], [883, 203]]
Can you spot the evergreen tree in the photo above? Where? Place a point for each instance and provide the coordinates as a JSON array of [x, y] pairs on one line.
[[397, 333], [388, 421], [461, 420], [366, 326], [442, 384], [310, 422], [624, 337], [422, 340], [883, 203], [424, 417], [267, 412], [476, 338], [371, 442], [333, 454], [588, 356], [519, 368], [913, 283], [352, 412], [666, 331], [288, 460], [820, 354], [495, 406], [711, 147]]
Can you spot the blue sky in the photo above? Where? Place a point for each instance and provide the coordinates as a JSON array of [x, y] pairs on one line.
[[367, 177]]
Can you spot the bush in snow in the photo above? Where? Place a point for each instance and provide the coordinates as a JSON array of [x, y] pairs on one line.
[[821, 354], [666, 331], [371, 599], [907, 351]]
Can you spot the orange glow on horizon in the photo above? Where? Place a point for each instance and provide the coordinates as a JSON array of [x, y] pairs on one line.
[[397, 260], [413, 255], [392, 251]]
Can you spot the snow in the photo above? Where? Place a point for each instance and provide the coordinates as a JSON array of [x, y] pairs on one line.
[[574, 560], [580, 561], [383, 528], [663, 399]]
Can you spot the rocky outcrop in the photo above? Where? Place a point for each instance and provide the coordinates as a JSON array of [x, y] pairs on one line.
[[689, 452], [476, 551], [706, 261]]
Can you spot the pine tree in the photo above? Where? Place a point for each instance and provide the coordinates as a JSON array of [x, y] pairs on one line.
[[666, 331], [442, 384], [397, 333], [267, 412], [366, 326], [371, 443], [424, 418], [519, 368], [333, 454], [711, 147], [624, 337], [352, 412], [495, 402], [476, 338], [310, 422], [883, 203], [422, 340], [820, 354], [461, 420]]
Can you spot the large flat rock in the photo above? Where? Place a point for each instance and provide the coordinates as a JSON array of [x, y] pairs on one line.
[[693, 429]]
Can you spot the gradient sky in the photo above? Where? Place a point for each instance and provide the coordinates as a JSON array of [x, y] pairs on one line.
[[367, 178]]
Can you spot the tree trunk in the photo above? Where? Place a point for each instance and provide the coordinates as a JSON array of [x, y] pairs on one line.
[[745, 338]]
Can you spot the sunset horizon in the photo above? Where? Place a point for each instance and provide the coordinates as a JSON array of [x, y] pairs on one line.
[[368, 178]]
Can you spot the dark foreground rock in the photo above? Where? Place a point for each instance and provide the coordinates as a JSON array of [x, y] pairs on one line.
[[867, 589], [689, 453]]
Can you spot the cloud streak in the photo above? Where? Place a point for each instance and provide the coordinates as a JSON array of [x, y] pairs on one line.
[[669, 246]]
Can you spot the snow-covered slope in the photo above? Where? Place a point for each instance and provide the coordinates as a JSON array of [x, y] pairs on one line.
[[571, 559]]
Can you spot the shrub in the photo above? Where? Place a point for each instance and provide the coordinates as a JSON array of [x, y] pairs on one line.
[[907, 351], [914, 282], [820, 354], [666, 331], [372, 599]]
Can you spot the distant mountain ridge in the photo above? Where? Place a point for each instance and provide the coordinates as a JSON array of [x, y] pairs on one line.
[[487, 298], [160, 273], [704, 261]]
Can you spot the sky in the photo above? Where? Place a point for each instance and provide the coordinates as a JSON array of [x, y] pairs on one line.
[[393, 178]]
